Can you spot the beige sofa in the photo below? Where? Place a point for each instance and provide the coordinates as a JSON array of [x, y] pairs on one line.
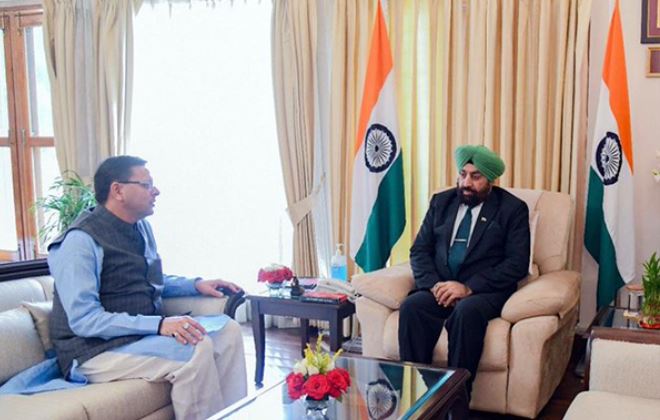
[[527, 348], [24, 308], [623, 377]]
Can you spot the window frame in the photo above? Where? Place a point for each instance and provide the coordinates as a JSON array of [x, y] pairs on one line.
[[22, 145]]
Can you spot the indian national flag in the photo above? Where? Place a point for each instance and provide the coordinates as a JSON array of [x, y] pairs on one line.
[[609, 227], [378, 209]]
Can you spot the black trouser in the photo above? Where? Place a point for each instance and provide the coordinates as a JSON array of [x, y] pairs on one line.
[[421, 320]]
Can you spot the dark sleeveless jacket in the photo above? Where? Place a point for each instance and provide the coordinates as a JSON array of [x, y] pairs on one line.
[[126, 285]]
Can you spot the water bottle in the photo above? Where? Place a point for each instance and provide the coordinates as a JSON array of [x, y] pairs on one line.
[[338, 268]]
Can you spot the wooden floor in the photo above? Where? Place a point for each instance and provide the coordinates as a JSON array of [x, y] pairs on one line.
[[283, 350]]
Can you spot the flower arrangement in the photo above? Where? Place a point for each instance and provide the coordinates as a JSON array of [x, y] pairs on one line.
[[317, 377], [274, 274]]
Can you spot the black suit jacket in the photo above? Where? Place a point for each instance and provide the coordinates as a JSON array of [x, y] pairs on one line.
[[497, 256]]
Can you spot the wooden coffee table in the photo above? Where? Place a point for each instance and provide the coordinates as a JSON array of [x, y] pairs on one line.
[[380, 389], [264, 304]]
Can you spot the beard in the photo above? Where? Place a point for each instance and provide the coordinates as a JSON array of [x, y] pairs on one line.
[[475, 198]]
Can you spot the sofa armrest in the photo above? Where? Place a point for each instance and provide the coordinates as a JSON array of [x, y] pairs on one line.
[[203, 305], [554, 293], [624, 362], [387, 286]]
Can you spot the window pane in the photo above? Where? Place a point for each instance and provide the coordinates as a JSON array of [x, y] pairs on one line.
[[8, 236], [4, 106], [41, 113], [46, 169]]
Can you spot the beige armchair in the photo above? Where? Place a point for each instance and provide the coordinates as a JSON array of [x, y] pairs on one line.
[[623, 377], [528, 347]]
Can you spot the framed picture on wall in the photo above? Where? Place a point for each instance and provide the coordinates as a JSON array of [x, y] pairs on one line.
[[654, 62], [650, 21]]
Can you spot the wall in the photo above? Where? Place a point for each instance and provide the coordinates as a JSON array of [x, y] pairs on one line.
[[644, 95]]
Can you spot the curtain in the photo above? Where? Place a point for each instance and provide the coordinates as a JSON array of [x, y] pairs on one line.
[[294, 83], [89, 57], [509, 74], [351, 28], [516, 82]]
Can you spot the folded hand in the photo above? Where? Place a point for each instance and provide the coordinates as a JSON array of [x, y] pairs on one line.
[[447, 293]]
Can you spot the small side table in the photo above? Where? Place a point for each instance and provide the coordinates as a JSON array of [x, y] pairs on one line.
[[263, 304]]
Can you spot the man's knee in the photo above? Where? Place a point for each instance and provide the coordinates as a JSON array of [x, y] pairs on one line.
[[415, 303], [467, 313], [229, 336]]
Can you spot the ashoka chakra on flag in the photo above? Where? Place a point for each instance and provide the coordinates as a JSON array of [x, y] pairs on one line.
[[380, 148], [608, 158]]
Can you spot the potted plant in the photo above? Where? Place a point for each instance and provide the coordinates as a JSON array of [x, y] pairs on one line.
[[68, 197], [651, 282]]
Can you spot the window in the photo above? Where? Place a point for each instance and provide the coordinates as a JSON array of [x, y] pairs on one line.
[[203, 117], [28, 164]]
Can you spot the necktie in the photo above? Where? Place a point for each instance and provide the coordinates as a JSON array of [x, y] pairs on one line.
[[458, 248]]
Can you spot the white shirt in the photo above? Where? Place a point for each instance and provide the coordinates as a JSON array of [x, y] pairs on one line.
[[462, 209]]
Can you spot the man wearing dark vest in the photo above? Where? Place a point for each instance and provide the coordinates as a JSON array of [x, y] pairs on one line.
[[469, 254], [106, 323]]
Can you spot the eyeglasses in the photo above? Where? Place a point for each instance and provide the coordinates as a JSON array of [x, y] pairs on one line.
[[149, 186]]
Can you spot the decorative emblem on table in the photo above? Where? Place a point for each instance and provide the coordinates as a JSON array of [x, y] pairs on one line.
[[381, 399], [317, 378]]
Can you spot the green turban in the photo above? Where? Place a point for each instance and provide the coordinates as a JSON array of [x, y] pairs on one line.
[[488, 163]]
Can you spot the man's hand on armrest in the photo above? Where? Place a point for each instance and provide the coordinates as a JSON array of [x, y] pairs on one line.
[[217, 287], [551, 294]]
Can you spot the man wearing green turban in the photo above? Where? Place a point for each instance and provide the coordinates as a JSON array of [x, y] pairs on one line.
[[467, 259]]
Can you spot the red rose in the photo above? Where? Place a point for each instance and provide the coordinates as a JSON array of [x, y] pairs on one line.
[[294, 384], [345, 374], [274, 276], [339, 382], [317, 387]]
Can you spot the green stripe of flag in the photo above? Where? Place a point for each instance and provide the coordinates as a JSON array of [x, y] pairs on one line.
[[598, 241], [386, 222]]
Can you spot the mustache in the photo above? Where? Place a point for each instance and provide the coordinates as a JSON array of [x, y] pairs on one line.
[[467, 189]]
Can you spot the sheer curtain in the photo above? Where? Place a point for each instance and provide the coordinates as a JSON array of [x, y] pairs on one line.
[[203, 117]]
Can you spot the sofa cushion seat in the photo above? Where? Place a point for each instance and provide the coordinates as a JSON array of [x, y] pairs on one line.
[[495, 356], [610, 406], [128, 399]]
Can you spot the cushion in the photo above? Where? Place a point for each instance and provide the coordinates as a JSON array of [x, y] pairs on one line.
[[609, 406], [533, 222], [40, 312], [35, 407], [19, 341], [127, 399], [625, 368], [13, 292], [496, 344]]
